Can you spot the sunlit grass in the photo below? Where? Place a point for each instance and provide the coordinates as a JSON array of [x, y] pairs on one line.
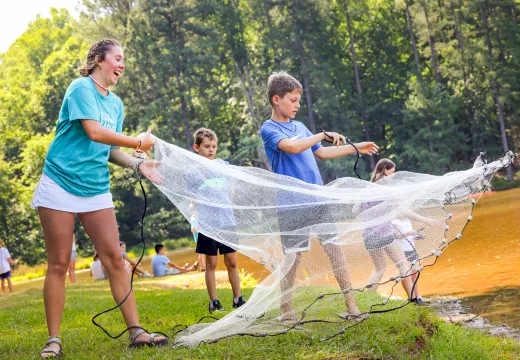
[[410, 333]]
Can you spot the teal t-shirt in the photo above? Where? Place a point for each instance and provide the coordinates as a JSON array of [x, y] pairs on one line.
[[76, 163]]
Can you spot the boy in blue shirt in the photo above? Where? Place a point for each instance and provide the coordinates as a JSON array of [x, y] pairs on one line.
[[291, 148], [206, 184], [162, 266]]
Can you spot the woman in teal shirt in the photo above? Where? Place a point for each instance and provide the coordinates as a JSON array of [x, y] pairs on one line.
[[76, 180]]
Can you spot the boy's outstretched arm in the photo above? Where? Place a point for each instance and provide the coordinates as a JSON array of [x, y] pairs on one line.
[[333, 152], [298, 146]]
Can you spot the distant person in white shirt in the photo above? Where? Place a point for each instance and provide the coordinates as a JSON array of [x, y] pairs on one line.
[[162, 266], [5, 267], [97, 271]]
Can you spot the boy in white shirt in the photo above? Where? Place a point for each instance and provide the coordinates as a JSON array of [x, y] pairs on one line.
[[5, 268]]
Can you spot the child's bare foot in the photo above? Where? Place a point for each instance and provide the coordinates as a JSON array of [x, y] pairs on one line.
[[289, 316], [351, 317], [350, 302]]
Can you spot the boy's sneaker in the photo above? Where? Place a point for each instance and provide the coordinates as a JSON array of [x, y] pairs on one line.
[[239, 303], [215, 305]]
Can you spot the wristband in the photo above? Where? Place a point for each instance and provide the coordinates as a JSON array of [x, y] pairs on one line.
[[139, 144]]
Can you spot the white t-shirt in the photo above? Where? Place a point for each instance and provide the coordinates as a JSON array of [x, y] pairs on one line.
[[97, 270], [403, 227], [4, 265]]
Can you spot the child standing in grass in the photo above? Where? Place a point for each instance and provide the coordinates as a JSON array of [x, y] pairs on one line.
[[206, 184], [291, 149], [5, 268]]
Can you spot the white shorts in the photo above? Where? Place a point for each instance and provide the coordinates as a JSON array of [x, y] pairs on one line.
[[50, 195]]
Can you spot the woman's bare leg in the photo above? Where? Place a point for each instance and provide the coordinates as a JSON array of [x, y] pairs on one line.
[[58, 227], [101, 227]]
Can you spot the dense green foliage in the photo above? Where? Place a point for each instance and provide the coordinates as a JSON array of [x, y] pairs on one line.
[[432, 82]]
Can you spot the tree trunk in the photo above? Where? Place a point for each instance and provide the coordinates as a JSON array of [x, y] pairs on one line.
[[267, 8], [496, 90], [460, 41], [431, 39], [184, 108], [352, 47], [306, 81], [356, 74], [412, 39], [441, 18], [514, 13]]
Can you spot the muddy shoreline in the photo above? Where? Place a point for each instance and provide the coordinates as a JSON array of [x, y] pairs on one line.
[[451, 309]]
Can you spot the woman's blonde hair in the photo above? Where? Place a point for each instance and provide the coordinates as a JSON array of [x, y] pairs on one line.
[[99, 50], [381, 166]]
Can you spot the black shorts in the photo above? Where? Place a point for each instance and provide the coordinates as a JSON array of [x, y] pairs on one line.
[[6, 275], [305, 217], [208, 246]]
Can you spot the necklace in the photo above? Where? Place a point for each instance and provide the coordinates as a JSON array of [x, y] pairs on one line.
[[284, 127], [98, 84]]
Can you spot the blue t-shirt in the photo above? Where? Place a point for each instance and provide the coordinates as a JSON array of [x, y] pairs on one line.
[[301, 166], [207, 185], [159, 265], [76, 163]]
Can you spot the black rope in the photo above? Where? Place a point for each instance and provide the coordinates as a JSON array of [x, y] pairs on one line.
[[131, 277], [355, 148]]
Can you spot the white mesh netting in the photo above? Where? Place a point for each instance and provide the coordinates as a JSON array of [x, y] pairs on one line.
[[325, 246]]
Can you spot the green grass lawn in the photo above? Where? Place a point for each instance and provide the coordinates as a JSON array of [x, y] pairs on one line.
[[410, 333]]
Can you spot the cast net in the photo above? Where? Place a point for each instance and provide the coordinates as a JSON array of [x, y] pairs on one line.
[[327, 248]]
